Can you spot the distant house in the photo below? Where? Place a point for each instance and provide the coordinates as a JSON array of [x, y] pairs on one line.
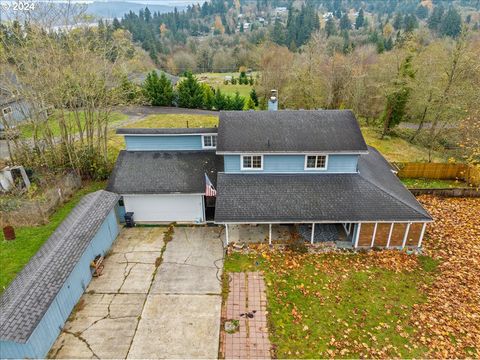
[[310, 169], [281, 10], [13, 108]]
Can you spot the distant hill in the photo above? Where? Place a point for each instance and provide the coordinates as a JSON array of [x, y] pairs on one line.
[[112, 9]]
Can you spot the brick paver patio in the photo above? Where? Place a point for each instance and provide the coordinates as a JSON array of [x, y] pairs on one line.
[[247, 303]]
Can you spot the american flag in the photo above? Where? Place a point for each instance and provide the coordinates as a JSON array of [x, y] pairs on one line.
[[209, 189]]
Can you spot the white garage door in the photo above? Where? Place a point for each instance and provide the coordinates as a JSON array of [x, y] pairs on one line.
[[165, 208]]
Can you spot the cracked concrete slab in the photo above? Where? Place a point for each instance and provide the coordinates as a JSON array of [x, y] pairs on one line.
[[178, 326], [133, 310], [186, 279]]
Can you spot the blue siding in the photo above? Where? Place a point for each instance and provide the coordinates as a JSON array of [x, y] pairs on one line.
[[52, 322], [175, 142], [293, 164]]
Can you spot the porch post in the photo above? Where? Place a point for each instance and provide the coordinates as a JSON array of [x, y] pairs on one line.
[[313, 233], [421, 235], [357, 235], [389, 235], [226, 233], [373, 236], [405, 237], [269, 234]]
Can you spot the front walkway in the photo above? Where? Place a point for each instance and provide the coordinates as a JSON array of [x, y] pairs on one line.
[[146, 307]]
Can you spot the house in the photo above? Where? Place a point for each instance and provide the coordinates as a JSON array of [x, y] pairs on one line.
[[35, 306], [310, 169]]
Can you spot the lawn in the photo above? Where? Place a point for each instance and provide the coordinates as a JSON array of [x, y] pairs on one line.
[[432, 183], [27, 130], [396, 149], [216, 80], [15, 254], [340, 305]]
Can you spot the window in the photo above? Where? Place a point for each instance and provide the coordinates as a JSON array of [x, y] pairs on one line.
[[318, 162], [7, 110], [209, 141], [252, 162]]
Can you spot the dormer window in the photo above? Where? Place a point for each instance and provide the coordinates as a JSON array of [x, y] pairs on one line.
[[209, 141], [316, 162], [252, 162]]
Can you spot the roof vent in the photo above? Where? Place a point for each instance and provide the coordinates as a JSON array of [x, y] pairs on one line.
[[273, 101]]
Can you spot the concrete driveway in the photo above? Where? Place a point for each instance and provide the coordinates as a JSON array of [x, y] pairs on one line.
[[146, 307]]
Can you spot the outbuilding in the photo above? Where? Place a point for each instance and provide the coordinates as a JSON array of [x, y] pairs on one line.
[[34, 308]]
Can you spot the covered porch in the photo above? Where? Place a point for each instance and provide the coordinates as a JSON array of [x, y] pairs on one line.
[[398, 235]]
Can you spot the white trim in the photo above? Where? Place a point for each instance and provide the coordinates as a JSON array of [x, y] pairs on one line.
[[373, 235], [252, 168], [319, 221], [357, 235], [269, 234], [153, 134], [211, 136], [291, 152], [422, 233], [405, 236], [226, 233], [7, 108], [345, 228], [315, 168], [312, 237], [389, 236]]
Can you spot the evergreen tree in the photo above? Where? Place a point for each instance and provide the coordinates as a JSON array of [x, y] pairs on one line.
[[410, 22], [451, 24], [278, 33], [237, 102], [190, 93], [250, 105], [158, 90], [397, 21], [398, 98], [208, 97], [330, 28], [360, 19], [116, 24], [220, 101], [435, 18], [345, 23], [254, 97], [422, 12]]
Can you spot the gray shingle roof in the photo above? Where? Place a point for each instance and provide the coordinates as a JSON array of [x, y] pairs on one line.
[[290, 131], [374, 194], [161, 172], [166, 131], [25, 301]]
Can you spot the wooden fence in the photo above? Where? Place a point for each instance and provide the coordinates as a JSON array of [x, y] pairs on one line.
[[467, 173]]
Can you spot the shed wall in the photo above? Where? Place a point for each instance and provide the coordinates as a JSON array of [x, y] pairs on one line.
[[54, 319]]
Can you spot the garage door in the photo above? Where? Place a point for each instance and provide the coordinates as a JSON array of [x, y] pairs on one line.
[[165, 208]]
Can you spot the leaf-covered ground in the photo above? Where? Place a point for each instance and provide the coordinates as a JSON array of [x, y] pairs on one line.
[[381, 303], [448, 322]]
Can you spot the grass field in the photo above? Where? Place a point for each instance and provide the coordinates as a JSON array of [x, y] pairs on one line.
[[26, 130], [217, 81], [432, 183], [340, 305], [16, 254]]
